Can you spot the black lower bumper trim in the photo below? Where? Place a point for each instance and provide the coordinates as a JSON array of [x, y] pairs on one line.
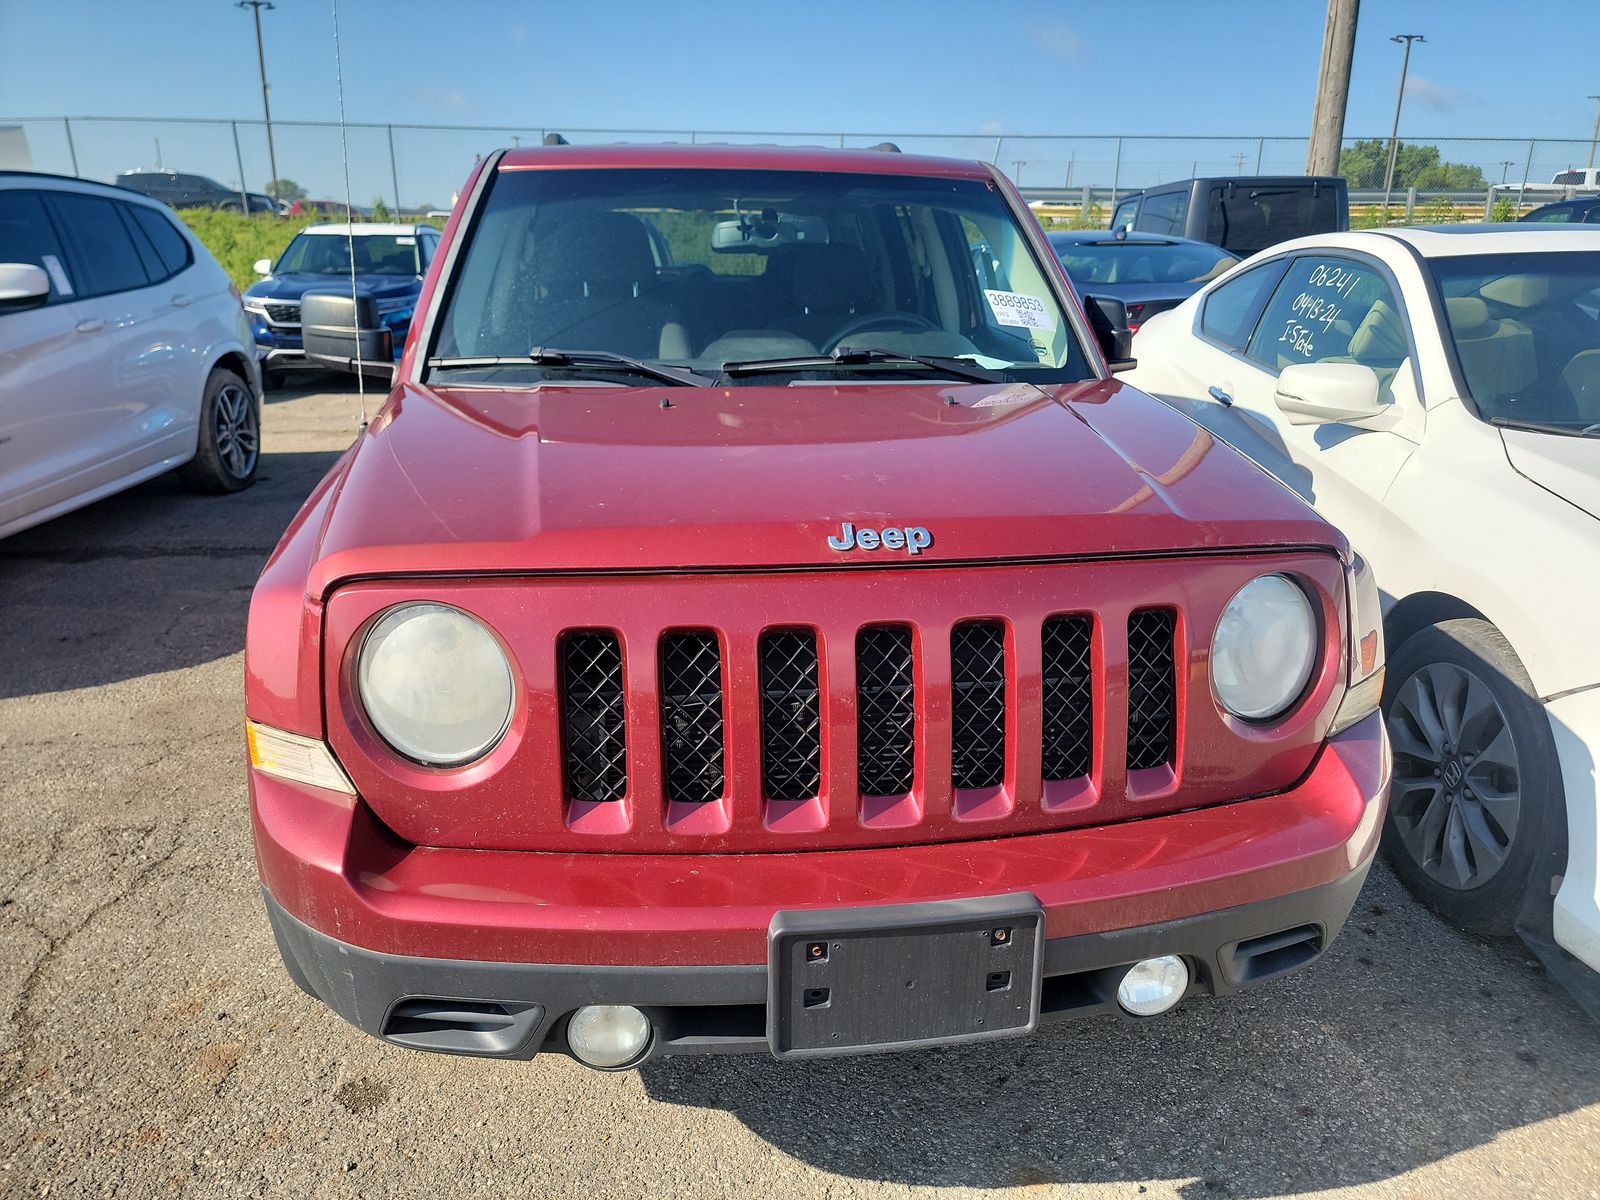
[[513, 1010]]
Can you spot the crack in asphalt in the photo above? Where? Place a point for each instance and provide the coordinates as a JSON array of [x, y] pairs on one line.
[[28, 1027]]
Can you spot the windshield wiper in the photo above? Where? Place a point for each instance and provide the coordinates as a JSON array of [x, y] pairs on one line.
[[604, 360], [1541, 427], [850, 356]]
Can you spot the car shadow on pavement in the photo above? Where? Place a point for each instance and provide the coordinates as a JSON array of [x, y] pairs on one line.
[[1407, 1043], [149, 580]]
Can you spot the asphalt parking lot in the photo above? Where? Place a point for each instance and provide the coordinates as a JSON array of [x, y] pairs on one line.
[[151, 1044]]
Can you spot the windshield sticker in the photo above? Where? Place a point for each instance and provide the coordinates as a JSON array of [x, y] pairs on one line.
[[405, 241], [52, 264], [1014, 308]]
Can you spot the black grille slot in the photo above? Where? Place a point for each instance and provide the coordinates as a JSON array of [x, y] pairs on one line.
[[886, 707], [978, 704], [1152, 688], [791, 716], [593, 724], [283, 314], [1068, 697], [691, 716]]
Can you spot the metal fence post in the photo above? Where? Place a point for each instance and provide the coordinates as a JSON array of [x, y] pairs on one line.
[[1116, 174], [1261, 148], [72, 148], [238, 158], [394, 174], [1488, 204], [995, 160], [1526, 168], [1411, 203]]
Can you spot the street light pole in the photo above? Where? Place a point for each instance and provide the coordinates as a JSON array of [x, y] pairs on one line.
[[266, 106], [1394, 133], [1595, 136]]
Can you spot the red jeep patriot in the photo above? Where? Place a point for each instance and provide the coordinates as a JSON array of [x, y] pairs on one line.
[[758, 619]]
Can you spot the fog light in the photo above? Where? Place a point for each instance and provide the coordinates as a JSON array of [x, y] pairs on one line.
[[608, 1035], [1153, 985]]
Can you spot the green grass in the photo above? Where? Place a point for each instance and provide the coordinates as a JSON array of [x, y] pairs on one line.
[[238, 241]]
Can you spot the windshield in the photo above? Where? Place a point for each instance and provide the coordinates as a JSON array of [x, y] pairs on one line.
[[1134, 261], [702, 268], [329, 254], [1526, 329]]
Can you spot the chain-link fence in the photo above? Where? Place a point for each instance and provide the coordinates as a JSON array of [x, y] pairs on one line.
[[420, 167]]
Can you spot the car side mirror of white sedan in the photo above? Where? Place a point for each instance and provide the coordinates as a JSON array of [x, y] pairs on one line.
[[1322, 393], [22, 285], [263, 266]]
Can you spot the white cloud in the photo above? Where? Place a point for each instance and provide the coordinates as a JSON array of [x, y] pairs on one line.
[[991, 128], [1059, 41], [447, 98], [1432, 95]]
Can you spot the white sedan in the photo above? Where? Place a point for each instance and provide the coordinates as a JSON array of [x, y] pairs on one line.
[[1436, 392]]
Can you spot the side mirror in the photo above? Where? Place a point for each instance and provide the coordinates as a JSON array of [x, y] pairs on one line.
[[1320, 393], [342, 332], [263, 266], [1108, 318], [22, 285]]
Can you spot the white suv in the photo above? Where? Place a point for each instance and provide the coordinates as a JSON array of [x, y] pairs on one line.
[[124, 351]]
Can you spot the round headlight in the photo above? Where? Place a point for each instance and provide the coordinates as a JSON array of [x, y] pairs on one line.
[[1264, 648], [435, 684]]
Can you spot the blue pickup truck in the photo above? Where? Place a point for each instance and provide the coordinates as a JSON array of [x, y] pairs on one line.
[[390, 261]]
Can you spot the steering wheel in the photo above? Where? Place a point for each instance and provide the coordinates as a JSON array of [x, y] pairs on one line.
[[910, 322]]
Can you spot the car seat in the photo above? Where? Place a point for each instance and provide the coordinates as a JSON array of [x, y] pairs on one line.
[[1581, 379], [592, 273], [826, 286], [1497, 355]]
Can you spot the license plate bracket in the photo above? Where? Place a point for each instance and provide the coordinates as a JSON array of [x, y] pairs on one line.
[[894, 977]]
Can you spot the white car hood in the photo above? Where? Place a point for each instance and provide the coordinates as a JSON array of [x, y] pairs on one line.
[[1567, 466]]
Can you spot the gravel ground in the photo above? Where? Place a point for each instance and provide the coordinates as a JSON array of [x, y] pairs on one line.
[[151, 1045]]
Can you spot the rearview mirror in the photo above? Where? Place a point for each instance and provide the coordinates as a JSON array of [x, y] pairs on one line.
[[1108, 318], [1320, 393], [22, 285], [263, 266]]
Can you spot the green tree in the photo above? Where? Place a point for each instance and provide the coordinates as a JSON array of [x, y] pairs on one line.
[[380, 210], [1363, 165], [286, 189]]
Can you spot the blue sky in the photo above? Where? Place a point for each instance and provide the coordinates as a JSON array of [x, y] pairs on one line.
[[1242, 69]]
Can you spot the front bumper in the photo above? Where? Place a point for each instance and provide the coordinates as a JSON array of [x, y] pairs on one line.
[[1244, 891], [1575, 724]]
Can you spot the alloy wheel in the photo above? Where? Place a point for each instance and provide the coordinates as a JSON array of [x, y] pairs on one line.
[[234, 427], [1457, 795]]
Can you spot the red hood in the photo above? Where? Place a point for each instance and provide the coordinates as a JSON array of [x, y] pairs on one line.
[[594, 479]]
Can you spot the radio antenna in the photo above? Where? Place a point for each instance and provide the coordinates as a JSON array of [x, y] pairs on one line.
[[349, 218]]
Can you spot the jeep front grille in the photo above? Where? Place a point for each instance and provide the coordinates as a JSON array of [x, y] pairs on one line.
[[1067, 701], [843, 709], [791, 716], [886, 698], [593, 733], [691, 716], [1152, 688], [977, 704], [283, 312]]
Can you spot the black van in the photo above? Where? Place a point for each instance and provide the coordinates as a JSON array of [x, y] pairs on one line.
[[1240, 213]]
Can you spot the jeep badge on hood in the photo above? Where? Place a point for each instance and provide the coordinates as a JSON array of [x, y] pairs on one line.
[[913, 539]]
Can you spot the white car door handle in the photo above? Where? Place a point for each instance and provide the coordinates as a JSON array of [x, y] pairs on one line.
[[1220, 396], [181, 300], [92, 325]]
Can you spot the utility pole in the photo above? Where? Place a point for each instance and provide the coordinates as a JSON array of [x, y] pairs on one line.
[[1505, 168], [1019, 164], [1238, 164], [1595, 136], [266, 106], [1394, 133], [1333, 87]]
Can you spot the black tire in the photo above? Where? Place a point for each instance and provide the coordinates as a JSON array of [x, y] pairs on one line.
[[271, 380], [1477, 801], [229, 450], [229, 206]]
